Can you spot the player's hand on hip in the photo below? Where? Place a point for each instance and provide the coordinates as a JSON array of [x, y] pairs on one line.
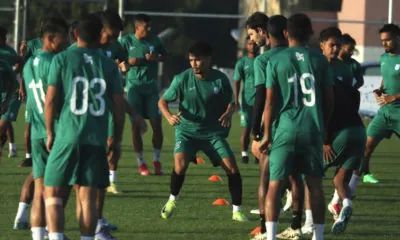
[[22, 48], [123, 66], [50, 141], [226, 119], [386, 99], [265, 146], [174, 119], [329, 154]]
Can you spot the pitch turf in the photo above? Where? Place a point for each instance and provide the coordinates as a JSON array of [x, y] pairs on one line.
[[137, 211]]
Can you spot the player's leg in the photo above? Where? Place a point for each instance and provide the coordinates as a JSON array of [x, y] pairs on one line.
[[54, 211], [377, 130], [27, 192], [88, 213], [136, 101], [308, 225], [317, 202], [12, 147], [3, 127], [38, 217], [113, 158], [245, 121], [185, 149], [27, 161], [154, 115]]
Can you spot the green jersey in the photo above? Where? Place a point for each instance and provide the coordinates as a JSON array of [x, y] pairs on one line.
[[9, 55], [390, 70], [244, 71], [341, 72], [86, 79], [33, 47], [355, 68], [114, 51], [144, 74], [35, 73], [201, 102], [298, 76], [7, 76], [260, 65]]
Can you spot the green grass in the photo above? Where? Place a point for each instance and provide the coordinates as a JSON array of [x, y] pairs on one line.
[[137, 211]]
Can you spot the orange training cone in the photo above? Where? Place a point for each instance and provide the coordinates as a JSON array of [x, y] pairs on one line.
[[215, 178], [220, 202], [199, 160], [255, 231]]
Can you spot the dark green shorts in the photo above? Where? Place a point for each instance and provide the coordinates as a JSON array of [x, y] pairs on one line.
[[13, 109], [349, 147], [385, 123], [216, 148], [70, 164], [39, 157], [295, 152], [246, 115], [145, 104]]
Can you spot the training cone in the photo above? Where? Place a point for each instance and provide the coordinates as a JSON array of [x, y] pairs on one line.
[[199, 160], [215, 178], [220, 202], [255, 231]]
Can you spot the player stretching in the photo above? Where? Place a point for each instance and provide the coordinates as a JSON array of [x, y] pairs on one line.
[[145, 51], [299, 97], [84, 84], [202, 124], [35, 73], [244, 77], [387, 121]]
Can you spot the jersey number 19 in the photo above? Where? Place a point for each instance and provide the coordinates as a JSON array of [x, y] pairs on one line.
[[306, 89]]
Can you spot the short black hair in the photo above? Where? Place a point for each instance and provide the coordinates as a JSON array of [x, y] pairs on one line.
[[330, 32], [72, 28], [201, 49], [299, 27], [142, 18], [393, 29], [3, 32], [347, 40], [89, 28], [277, 24], [111, 19], [55, 25], [257, 20]]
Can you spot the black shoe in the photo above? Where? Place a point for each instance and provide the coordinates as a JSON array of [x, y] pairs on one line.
[[27, 162], [245, 160], [256, 161]]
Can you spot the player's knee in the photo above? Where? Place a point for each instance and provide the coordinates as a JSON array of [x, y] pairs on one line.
[[53, 201]]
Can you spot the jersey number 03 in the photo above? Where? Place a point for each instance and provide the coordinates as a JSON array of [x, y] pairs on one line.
[[98, 107]]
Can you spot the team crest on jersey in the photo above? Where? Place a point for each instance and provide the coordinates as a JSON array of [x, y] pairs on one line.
[[340, 78], [108, 52], [397, 67], [300, 56], [36, 62], [87, 58]]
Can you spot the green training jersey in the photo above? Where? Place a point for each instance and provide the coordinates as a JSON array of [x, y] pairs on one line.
[[298, 76], [390, 70], [9, 55], [341, 72], [143, 75], [260, 65], [114, 51], [86, 80], [35, 73], [201, 102], [244, 71], [33, 47], [7, 76], [355, 68]]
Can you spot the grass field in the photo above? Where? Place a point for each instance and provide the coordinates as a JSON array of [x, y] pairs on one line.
[[137, 211]]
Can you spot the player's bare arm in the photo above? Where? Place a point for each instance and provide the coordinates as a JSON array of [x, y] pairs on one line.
[[226, 117], [135, 61], [237, 92], [268, 119], [173, 119], [50, 108]]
